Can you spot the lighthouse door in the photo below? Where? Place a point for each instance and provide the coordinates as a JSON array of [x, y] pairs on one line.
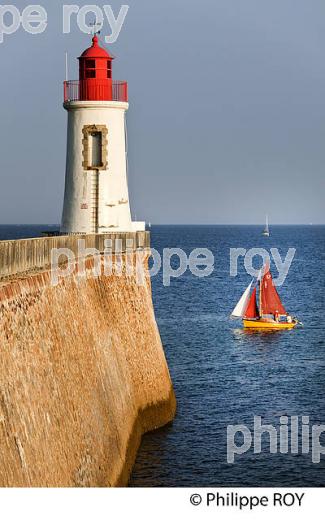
[[96, 150]]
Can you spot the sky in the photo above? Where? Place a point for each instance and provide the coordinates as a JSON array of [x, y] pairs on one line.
[[226, 120]]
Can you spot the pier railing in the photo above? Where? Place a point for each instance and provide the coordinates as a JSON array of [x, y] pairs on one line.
[[33, 254]]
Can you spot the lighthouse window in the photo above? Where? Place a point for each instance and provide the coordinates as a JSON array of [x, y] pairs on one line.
[[90, 68], [109, 70], [96, 149]]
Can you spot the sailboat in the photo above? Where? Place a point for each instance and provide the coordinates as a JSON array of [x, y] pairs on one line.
[[269, 313], [266, 232]]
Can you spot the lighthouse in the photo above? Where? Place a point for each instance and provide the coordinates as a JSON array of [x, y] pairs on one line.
[[96, 196]]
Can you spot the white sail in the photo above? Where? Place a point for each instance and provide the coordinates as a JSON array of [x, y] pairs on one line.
[[240, 309]]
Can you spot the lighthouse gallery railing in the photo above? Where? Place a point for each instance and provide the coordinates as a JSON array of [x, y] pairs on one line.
[[83, 90]]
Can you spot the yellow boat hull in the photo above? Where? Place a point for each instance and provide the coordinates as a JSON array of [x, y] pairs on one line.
[[268, 325]]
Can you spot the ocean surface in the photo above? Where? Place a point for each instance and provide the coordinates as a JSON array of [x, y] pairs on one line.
[[225, 376]]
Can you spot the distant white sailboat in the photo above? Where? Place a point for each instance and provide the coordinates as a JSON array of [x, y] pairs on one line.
[[266, 232]]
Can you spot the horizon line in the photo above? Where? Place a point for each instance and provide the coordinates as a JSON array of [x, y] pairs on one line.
[[185, 224]]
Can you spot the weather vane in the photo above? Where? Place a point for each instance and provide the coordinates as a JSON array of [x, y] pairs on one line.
[[95, 25]]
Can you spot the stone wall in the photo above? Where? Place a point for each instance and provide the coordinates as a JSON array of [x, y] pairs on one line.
[[82, 375]]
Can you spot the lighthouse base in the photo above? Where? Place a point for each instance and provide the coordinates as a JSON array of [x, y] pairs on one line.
[[134, 228]]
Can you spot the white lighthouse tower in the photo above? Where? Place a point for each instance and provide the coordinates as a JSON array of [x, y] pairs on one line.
[[96, 188]]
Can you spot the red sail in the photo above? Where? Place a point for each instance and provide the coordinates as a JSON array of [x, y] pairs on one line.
[[252, 309], [270, 300]]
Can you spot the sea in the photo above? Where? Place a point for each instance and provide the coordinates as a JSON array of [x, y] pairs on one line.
[[226, 378]]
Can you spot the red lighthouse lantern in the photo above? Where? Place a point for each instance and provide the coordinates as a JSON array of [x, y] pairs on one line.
[[95, 74], [95, 78]]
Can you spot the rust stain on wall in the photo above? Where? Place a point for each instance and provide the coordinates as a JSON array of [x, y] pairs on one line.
[[82, 376]]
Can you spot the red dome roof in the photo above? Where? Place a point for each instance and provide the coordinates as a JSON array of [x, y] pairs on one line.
[[96, 51]]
